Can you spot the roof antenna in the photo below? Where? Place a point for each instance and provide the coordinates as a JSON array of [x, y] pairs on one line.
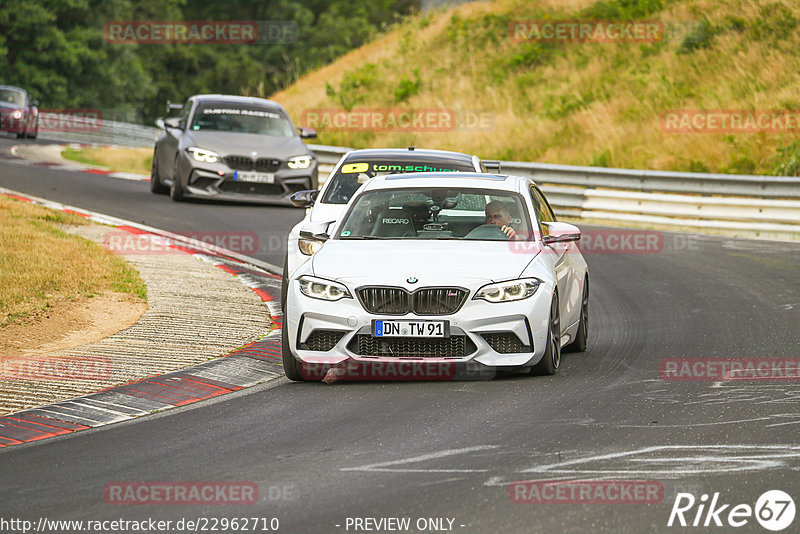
[[412, 147]]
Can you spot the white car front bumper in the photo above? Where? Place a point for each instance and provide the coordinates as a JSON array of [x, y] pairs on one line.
[[345, 319]]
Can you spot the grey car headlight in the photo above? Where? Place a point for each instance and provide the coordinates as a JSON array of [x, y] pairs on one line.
[[299, 162], [319, 288], [201, 154], [308, 246], [508, 291]]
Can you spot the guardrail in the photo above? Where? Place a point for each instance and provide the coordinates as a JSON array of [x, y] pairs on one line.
[[767, 206]]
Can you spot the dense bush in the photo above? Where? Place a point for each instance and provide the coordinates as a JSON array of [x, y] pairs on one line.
[[56, 49]]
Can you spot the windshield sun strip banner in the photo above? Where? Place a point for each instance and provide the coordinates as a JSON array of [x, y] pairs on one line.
[[243, 112], [352, 168]]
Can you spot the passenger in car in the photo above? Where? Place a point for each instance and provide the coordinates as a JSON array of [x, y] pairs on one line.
[[498, 213]]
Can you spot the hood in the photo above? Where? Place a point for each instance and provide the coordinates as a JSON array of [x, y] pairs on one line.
[[236, 143], [463, 263]]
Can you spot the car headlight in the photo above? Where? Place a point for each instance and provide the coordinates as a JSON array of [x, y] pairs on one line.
[[299, 162], [17, 114], [201, 154], [308, 246], [508, 291], [319, 288]]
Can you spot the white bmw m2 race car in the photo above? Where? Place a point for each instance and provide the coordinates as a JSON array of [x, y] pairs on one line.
[[439, 268], [353, 169]]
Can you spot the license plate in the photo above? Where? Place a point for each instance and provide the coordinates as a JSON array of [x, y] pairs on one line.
[[410, 328], [256, 177]]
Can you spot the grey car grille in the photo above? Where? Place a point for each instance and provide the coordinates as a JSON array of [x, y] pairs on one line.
[[267, 165], [424, 301], [411, 347], [245, 163]]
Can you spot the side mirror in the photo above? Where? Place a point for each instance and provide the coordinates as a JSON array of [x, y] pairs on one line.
[[304, 199], [173, 122], [307, 133], [316, 231], [160, 123], [561, 232], [35, 103]]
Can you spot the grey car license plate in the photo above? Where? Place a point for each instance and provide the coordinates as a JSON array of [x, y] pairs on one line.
[[393, 328], [255, 177]]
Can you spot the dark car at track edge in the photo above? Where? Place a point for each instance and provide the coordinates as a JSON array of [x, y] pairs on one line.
[[18, 113]]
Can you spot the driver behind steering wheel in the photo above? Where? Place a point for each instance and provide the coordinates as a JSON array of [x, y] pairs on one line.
[[498, 213]]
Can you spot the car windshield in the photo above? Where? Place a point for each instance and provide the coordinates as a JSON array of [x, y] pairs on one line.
[[352, 174], [436, 213], [12, 96], [241, 119]]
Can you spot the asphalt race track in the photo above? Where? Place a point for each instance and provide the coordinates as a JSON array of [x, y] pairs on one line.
[[132, 200], [323, 455]]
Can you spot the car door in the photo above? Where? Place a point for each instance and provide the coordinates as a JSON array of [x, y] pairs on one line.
[[168, 150], [564, 269]]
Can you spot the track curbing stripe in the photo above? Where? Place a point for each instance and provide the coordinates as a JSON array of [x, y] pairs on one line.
[[248, 366]]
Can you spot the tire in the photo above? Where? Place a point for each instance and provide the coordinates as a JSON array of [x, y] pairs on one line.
[[291, 367], [285, 282], [579, 344], [551, 360], [156, 186], [176, 191]]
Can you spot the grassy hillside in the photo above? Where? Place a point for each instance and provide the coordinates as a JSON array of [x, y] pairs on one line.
[[578, 103]]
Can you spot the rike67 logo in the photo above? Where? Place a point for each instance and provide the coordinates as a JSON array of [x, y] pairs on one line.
[[774, 510]]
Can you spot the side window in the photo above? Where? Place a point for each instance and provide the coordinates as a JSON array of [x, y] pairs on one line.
[[543, 211], [537, 210], [184, 114], [547, 211], [343, 186]]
